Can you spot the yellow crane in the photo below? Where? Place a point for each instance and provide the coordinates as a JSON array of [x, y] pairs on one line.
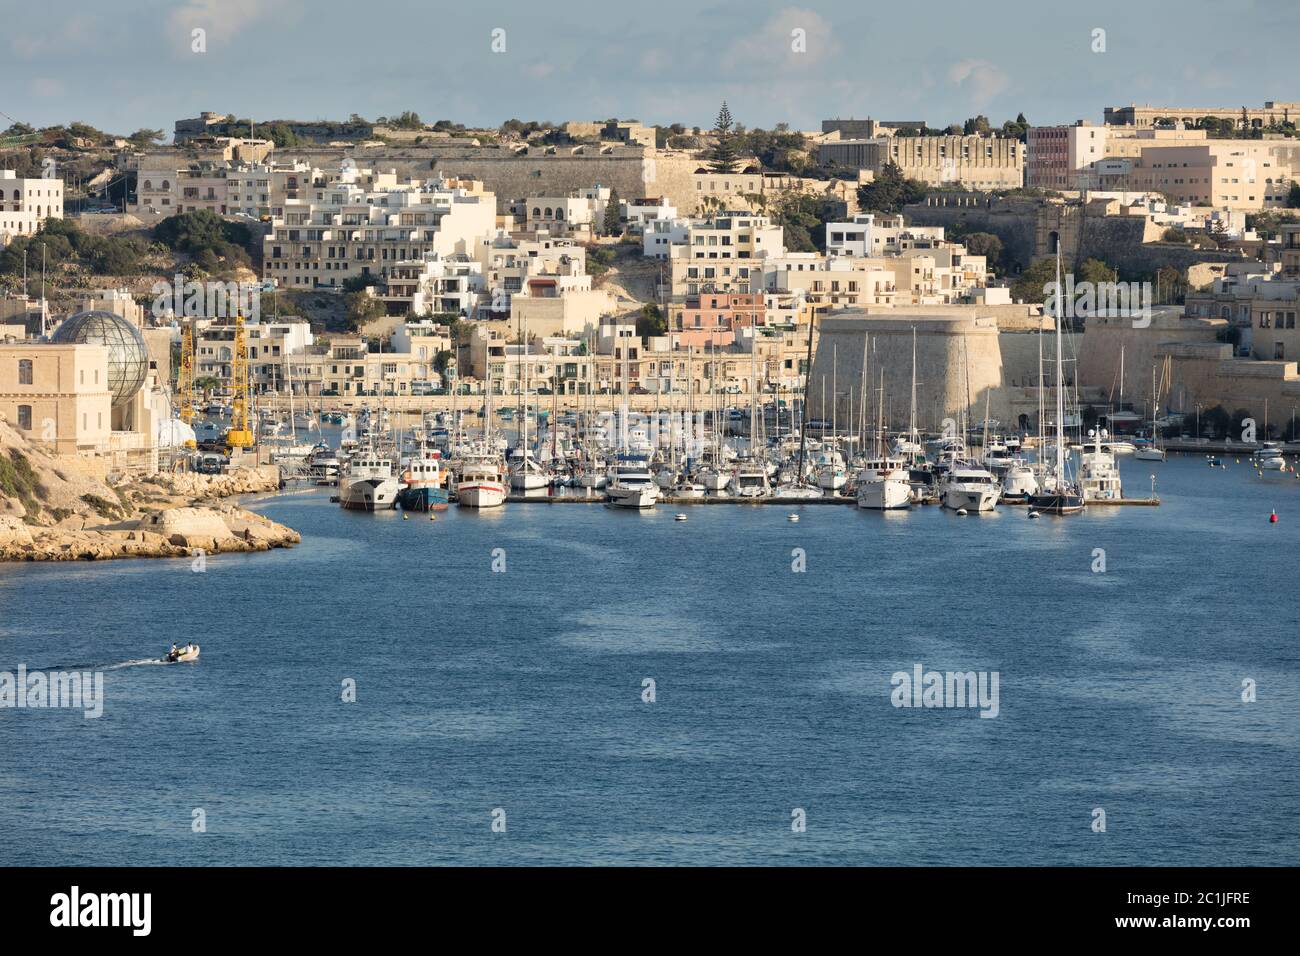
[[241, 432], [185, 377]]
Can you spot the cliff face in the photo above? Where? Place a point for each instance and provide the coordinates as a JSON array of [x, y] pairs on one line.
[[64, 509]]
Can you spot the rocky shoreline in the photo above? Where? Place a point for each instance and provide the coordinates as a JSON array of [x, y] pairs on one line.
[[62, 509]]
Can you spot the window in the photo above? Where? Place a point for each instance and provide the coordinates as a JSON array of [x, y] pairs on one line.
[[24, 371], [25, 418]]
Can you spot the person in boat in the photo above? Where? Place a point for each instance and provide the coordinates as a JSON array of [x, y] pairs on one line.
[[173, 653]]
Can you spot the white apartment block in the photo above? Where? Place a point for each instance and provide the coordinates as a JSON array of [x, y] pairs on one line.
[[513, 267], [720, 252], [26, 203], [578, 213], [660, 235], [364, 224], [448, 285], [870, 235]]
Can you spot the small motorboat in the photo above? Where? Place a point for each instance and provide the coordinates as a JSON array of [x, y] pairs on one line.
[[181, 655]]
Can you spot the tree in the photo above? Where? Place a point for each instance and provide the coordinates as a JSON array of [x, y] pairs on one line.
[[976, 124], [724, 156], [361, 308], [1174, 234], [984, 244], [612, 224], [143, 138], [651, 321], [890, 191], [1031, 285], [1293, 196], [1096, 272]]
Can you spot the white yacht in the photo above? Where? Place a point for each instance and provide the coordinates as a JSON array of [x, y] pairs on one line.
[[1269, 457], [631, 485], [883, 485], [749, 480], [1098, 473], [969, 487], [369, 485], [480, 485], [1019, 481]]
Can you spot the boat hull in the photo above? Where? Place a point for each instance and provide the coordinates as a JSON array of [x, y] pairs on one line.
[[423, 498], [481, 495], [887, 494], [369, 494], [973, 499], [1054, 503], [634, 497]]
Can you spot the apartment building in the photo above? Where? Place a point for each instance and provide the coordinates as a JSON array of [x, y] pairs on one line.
[[270, 344], [350, 369], [434, 285], [721, 252], [362, 224], [1238, 175], [715, 317], [26, 203], [578, 214], [872, 235], [1262, 307]]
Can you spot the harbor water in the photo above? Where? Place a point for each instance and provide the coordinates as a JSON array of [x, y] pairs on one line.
[[502, 664]]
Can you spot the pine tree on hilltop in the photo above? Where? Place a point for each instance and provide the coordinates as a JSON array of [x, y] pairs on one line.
[[724, 155]]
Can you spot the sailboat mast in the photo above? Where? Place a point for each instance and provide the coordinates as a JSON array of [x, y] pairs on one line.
[[1060, 384]]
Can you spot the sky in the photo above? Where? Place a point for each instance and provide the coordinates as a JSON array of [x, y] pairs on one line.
[[130, 64]]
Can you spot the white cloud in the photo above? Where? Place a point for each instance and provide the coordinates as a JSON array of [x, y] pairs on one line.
[[773, 44], [981, 80], [222, 19]]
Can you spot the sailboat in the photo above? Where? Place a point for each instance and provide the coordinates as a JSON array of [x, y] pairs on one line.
[[1153, 451], [882, 484], [799, 487], [1057, 494]]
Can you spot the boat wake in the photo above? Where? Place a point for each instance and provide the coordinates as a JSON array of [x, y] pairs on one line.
[[143, 662]]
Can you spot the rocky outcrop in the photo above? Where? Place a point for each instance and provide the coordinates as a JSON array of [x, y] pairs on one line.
[[173, 533], [56, 508]]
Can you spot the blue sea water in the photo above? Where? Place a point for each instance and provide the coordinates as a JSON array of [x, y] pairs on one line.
[[522, 690]]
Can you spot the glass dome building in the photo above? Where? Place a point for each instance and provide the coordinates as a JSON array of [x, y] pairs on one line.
[[128, 356]]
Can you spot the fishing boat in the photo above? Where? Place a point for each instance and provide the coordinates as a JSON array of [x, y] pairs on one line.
[[481, 485], [369, 485], [882, 485], [424, 484]]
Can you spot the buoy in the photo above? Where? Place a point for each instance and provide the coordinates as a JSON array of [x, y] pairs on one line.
[[433, 517], [679, 517], [1272, 517], [1033, 514], [961, 511], [791, 517], [405, 516]]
